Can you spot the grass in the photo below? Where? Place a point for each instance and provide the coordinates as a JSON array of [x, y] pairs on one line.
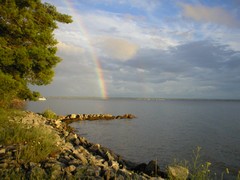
[[199, 170], [34, 143], [49, 114]]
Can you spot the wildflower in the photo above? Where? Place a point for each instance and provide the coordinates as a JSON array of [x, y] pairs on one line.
[[208, 164]]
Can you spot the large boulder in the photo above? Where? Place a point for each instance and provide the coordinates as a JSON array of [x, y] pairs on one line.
[[152, 168]]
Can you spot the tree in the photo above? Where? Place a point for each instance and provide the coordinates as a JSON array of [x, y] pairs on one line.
[[27, 43]]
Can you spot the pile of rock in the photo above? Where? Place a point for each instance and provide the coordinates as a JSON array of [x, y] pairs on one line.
[[76, 159], [80, 117]]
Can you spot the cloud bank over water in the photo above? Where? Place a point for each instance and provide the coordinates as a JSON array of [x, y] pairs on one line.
[[149, 49]]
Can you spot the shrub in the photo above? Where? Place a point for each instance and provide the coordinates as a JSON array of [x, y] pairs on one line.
[[49, 114]]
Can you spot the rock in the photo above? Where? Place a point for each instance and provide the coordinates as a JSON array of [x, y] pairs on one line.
[[56, 172], [82, 140], [123, 174], [76, 142], [76, 158], [93, 171], [2, 151], [65, 133], [109, 156], [71, 116], [140, 168], [80, 157], [70, 168], [58, 123], [108, 174], [3, 165], [95, 147], [37, 172], [71, 137], [152, 168], [79, 116], [114, 165], [178, 172]]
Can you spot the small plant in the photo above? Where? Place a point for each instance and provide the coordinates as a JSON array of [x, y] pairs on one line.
[[199, 170], [49, 114]]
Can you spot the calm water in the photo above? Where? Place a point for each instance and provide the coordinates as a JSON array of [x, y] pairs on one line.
[[164, 129]]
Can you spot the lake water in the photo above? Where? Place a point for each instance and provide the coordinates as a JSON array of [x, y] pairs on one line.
[[164, 129]]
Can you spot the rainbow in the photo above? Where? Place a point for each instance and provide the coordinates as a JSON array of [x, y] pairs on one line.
[[95, 59]]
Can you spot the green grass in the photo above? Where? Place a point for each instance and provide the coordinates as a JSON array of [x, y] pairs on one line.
[[49, 114], [199, 170], [34, 143]]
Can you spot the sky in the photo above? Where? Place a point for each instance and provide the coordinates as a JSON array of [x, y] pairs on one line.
[[148, 48]]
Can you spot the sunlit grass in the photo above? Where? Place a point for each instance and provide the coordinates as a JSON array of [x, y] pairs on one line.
[[49, 114], [199, 170], [33, 143]]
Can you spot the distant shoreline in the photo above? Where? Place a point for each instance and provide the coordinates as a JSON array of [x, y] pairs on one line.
[[139, 98]]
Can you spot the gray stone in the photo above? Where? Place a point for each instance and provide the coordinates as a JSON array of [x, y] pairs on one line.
[[75, 162], [76, 142], [95, 147], [70, 168], [178, 172], [56, 171], [71, 137], [93, 171], [114, 165], [152, 168], [124, 173], [81, 157], [109, 156], [2, 151], [73, 116], [108, 174], [37, 172]]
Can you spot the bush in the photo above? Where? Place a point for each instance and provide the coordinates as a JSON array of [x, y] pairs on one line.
[[49, 114]]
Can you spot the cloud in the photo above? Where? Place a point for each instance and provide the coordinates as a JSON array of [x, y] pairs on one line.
[[118, 48], [144, 54], [69, 48], [209, 14], [196, 69]]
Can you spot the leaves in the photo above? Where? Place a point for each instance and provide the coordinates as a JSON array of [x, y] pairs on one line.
[[27, 43]]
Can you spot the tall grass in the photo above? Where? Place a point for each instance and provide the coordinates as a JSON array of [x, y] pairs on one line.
[[34, 143], [199, 170]]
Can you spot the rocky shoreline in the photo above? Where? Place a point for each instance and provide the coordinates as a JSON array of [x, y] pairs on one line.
[[78, 158], [81, 117]]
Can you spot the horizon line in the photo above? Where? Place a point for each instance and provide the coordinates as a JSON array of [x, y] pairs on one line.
[[144, 98]]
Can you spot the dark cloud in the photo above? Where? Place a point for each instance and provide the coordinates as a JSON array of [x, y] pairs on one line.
[[204, 67]]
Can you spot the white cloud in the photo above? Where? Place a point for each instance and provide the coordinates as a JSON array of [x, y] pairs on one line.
[[160, 58], [69, 48], [209, 14], [118, 48]]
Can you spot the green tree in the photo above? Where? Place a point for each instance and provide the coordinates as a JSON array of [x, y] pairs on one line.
[[27, 43]]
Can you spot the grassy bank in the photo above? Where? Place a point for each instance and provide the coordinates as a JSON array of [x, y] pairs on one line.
[[34, 143]]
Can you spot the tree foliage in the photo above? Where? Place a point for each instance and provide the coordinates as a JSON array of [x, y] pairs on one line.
[[27, 43]]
